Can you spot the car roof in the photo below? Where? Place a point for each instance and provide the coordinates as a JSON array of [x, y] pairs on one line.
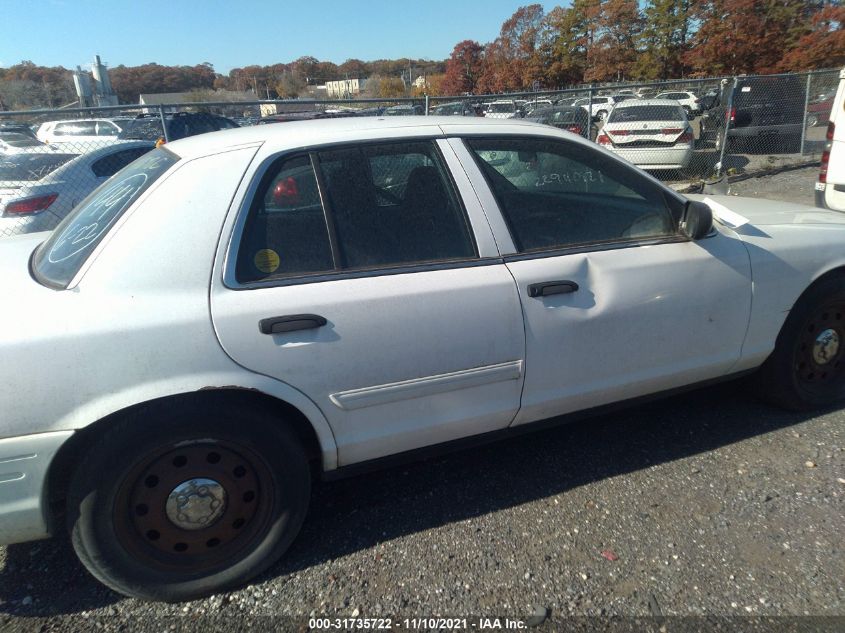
[[640, 103], [298, 134]]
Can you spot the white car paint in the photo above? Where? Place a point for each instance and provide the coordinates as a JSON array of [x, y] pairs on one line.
[[631, 133], [502, 110], [409, 359], [830, 189], [599, 107], [688, 100]]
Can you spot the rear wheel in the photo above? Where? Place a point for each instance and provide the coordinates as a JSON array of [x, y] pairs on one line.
[[601, 115], [807, 368], [177, 504]]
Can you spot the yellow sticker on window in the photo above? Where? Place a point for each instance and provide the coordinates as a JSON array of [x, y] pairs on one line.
[[267, 260]]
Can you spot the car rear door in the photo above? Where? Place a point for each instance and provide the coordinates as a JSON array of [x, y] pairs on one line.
[[366, 276], [616, 303]]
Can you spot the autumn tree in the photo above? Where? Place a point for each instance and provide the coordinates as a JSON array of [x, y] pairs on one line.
[[823, 42], [613, 53], [352, 69], [567, 34], [743, 36], [513, 61], [380, 86], [463, 68]]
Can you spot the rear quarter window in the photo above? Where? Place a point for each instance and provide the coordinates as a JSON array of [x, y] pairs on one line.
[[57, 260]]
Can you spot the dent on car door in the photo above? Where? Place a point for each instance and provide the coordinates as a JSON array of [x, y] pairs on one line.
[[616, 303], [380, 296]]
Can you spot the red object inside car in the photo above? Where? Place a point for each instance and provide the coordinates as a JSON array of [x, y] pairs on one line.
[[286, 192]]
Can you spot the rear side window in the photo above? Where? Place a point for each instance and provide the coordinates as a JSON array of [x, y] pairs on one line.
[[647, 113], [375, 206], [58, 259], [285, 233], [108, 166]]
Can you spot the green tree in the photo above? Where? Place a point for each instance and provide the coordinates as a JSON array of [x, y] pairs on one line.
[[663, 40]]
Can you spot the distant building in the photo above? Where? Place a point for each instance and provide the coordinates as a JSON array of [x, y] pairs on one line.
[[344, 88]]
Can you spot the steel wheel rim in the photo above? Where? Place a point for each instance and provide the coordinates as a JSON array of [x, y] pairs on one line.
[[146, 513], [819, 365]]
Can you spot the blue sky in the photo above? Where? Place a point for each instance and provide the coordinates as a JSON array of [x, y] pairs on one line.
[[232, 34]]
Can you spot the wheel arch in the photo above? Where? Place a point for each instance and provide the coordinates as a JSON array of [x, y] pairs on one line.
[[321, 456]]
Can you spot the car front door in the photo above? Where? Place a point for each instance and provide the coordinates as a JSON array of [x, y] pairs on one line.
[[617, 304], [361, 277]]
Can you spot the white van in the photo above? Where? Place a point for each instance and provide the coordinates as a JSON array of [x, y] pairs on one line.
[[830, 189]]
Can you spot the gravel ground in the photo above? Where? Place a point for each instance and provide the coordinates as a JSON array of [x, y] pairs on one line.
[[708, 503], [792, 186]]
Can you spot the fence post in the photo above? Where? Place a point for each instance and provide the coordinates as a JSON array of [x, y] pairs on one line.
[[806, 103], [426, 104], [727, 124], [163, 122], [590, 114]]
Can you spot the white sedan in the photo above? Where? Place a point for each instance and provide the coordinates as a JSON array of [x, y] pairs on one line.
[[39, 188], [235, 313], [650, 133]]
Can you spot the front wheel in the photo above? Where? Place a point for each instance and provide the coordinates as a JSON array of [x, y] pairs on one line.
[[180, 503], [807, 368]]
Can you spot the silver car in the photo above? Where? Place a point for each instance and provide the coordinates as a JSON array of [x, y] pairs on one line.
[[38, 189]]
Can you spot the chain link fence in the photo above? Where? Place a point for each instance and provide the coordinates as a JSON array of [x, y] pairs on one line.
[[685, 132]]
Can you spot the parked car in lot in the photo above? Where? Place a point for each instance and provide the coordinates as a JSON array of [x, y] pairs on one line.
[[818, 112], [503, 109], [9, 127], [650, 133], [148, 127], [404, 110], [455, 108], [598, 108], [79, 134], [570, 118], [235, 313], [14, 142], [688, 100], [830, 188], [37, 190], [764, 113]]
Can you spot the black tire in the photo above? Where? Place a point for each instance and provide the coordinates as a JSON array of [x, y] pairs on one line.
[[812, 120], [807, 368], [123, 521], [601, 115]]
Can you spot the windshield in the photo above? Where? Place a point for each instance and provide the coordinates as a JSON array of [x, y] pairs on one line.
[[144, 129], [30, 167], [502, 107], [58, 259], [647, 113]]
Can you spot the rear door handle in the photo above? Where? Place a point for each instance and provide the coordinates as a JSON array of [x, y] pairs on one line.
[[290, 323], [546, 288]]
